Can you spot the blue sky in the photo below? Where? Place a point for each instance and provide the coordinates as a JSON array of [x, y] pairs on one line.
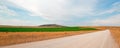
[[63, 12]]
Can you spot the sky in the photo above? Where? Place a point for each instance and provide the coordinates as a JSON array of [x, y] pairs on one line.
[[63, 12]]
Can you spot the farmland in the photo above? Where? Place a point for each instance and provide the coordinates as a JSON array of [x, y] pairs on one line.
[[21, 29], [10, 38], [16, 35], [23, 37]]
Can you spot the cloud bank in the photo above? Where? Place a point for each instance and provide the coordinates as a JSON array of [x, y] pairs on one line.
[[65, 12]]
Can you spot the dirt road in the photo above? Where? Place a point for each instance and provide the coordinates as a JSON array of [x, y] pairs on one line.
[[101, 39]]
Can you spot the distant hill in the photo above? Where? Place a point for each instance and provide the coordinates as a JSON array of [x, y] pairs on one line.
[[40, 26], [51, 25], [5, 26]]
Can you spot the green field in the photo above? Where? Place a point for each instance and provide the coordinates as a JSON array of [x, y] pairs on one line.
[[20, 29]]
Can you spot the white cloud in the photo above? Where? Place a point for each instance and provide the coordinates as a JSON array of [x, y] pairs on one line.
[[5, 10], [57, 9], [115, 8], [62, 11], [113, 20], [17, 22]]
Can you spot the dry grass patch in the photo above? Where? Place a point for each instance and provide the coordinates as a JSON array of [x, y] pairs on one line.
[[116, 33], [22, 37]]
